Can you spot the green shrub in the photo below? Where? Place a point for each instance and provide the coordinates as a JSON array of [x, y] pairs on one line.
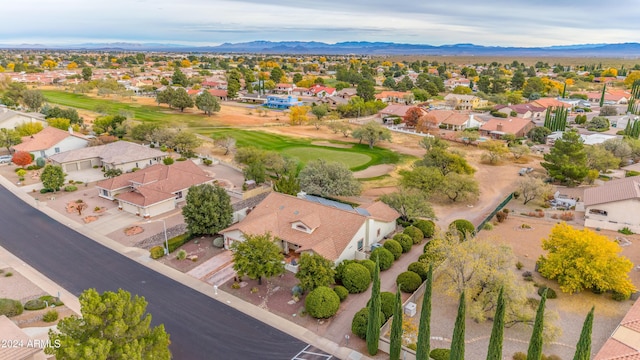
[[218, 242], [394, 247], [8, 274], [44, 191], [619, 296], [370, 265], [182, 254], [408, 281], [34, 304], [551, 294], [464, 227], [10, 307], [322, 302], [626, 231], [405, 241], [341, 291], [70, 188], [181, 159], [178, 241], [384, 256], [356, 278], [21, 172], [487, 226], [50, 316], [51, 300], [416, 235], [156, 252], [167, 161], [359, 323], [340, 269], [387, 302], [427, 227], [40, 162], [207, 162], [519, 265], [419, 268], [440, 354], [519, 356]]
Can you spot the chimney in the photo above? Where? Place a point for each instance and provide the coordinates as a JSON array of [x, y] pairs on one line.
[[499, 127]]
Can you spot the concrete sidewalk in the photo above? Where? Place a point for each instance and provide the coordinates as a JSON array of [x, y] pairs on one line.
[[142, 256]]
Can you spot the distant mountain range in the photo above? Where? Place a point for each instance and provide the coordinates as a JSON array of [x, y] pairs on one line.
[[624, 50]]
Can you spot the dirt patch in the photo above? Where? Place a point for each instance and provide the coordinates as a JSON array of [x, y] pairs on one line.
[[330, 144], [201, 248], [133, 230], [373, 171]]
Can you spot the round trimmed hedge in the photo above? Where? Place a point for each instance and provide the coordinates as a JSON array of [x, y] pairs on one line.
[[384, 256], [387, 301], [394, 247], [440, 354], [405, 241], [551, 294], [419, 268], [416, 234], [10, 307], [35, 304], [340, 269], [360, 322], [408, 281], [427, 227], [465, 228], [322, 302], [341, 291], [356, 278], [370, 265]]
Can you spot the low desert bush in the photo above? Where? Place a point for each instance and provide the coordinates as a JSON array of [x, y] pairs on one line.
[[70, 188], [34, 304], [182, 254], [10, 307], [551, 294], [440, 354], [50, 316], [156, 252]]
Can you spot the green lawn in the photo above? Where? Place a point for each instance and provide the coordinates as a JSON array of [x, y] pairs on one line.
[[141, 112], [357, 157]]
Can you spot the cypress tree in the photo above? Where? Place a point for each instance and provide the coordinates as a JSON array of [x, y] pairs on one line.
[[547, 119], [497, 332], [396, 329], [583, 349], [564, 90], [535, 344], [424, 330], [604, 89], [373, 325], [457, 341]]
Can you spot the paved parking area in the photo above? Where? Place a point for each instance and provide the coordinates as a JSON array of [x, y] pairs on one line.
[[313, 353]]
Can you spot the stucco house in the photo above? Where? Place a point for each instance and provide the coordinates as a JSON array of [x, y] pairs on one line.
[[613, 205], [51, 141], [525, 111], [155, 189], [9, 119], [454, 120], [464, 102], [282, 102], [121, 155], [310, 224], [497, 127]]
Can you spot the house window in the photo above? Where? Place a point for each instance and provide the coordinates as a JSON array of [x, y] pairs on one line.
[[42, 153], [360, 244], [57, 150], [105, 192], [598, 212], [301, 227], [179, 195]]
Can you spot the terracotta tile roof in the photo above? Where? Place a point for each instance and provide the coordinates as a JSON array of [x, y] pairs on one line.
[[45, 139], [614, 190], [507, 126], [396, 110], [218, 93], [333, 228], [10, 331], [394, 94], [521, 108], [381, 211], [119, 152], [157, 182], [624, 343], [547, 102]]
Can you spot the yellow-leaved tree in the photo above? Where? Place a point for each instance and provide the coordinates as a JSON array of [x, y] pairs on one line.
[[298, 115], [583, 259]]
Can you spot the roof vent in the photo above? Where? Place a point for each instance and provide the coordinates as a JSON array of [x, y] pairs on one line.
[[281, 207], [296, 212]]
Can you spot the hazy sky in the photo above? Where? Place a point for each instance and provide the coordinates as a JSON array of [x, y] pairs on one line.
[[212, 22]]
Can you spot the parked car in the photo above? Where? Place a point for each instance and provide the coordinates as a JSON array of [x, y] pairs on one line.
[[5, 159], [525, 171]]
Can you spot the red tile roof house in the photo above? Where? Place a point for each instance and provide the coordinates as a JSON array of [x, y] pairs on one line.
[[51, 141], [454, 120], [613, 205], [308, 224], [153, 190], [624, 343], [121, 155], [497, 127], [321, 90], [620, 97], [394, 96], [525, 111]]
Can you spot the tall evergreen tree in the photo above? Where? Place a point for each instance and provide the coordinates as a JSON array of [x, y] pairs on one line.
[[497, 332], [457, 341], [604, 89], [396, 329], [535, 344], [373, 325], [564, 90], [424, 330], [583, 349]]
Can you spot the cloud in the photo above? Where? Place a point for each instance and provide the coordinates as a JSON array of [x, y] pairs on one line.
[[498, 22]]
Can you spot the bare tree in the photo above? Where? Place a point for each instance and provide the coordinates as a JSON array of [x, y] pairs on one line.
[[227, 143]]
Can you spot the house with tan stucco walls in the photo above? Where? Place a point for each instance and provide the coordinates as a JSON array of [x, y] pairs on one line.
[[613, 205]]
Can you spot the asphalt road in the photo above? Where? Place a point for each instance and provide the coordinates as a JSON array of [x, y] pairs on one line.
[[199, 327]]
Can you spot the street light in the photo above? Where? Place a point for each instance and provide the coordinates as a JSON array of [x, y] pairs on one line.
[[166, 240]]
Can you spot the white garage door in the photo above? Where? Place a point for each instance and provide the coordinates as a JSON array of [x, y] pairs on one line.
[[70, 167], [86, 164]]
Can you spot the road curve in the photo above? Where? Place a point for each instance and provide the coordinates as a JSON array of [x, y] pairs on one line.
[[200, 327]]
